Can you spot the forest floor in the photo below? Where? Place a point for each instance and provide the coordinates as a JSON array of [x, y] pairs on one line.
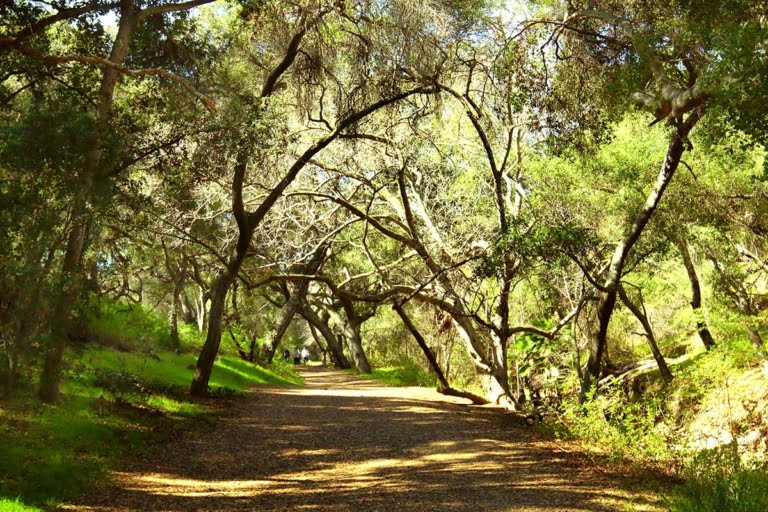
[[342, 443]]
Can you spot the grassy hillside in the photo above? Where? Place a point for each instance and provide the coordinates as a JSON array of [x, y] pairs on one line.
[[116, 399]]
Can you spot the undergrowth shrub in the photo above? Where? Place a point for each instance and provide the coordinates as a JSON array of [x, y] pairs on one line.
[[121, 384], [405, 373], [223, 392], [125, 386], [413, 374], [624, 429], [719, 481]]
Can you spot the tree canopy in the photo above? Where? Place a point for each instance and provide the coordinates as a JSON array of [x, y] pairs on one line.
[[543, 196]]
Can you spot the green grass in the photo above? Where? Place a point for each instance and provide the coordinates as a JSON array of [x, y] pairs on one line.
[[400, 375], [718, 481], [15, 505], [49, 454], [177, 369]]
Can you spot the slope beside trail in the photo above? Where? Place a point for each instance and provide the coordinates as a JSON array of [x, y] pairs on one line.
[[342, 443]]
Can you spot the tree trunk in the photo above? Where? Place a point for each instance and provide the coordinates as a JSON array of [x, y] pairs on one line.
[[352, 333], [297, 297], [213, 338], [642, 317], [175, 342], [285, 322], [335, 348], [201, 311], [701, 322], [71, 268], [492, 371], [495, 379], [11, 356], [187, 310], [444, 388], [422, 345], [323, 348], [177, 275], [607, 299], [240, 352], [50, 376]]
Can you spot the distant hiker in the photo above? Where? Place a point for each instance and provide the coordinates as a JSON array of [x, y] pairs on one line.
[[286, 355], [297, 357], [305, 355]]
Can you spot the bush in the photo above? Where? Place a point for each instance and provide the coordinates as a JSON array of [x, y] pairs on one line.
[[625, 429], [121, 384], [718, 481], [406, 373]]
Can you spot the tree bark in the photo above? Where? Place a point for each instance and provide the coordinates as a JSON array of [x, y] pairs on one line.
[[61, 318], [219, 293], [701, 322], [11, 360], [201, 310], [351, 331], [175, 341], [187, 310], [323, 348], [355, 342], [240, 352], [422, 345], [210, 348], [492, 370], [177, 278], [495, 379]]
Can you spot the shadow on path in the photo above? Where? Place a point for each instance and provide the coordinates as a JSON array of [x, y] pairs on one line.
[[346, 444]]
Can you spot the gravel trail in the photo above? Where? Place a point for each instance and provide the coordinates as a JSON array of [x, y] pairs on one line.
[[342, 443]]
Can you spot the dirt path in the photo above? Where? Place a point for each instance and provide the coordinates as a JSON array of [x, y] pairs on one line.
[[346, 444]]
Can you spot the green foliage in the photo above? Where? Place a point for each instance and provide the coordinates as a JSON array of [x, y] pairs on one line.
[[532, 351], [718, 481], [572, 174], [120, 384], [537, 242]]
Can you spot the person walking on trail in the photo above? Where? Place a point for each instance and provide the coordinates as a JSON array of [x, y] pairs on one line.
[[286, 355], [296, 357], [305, 355]]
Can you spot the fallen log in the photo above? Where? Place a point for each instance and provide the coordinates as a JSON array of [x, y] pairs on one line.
[[644, 368]]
